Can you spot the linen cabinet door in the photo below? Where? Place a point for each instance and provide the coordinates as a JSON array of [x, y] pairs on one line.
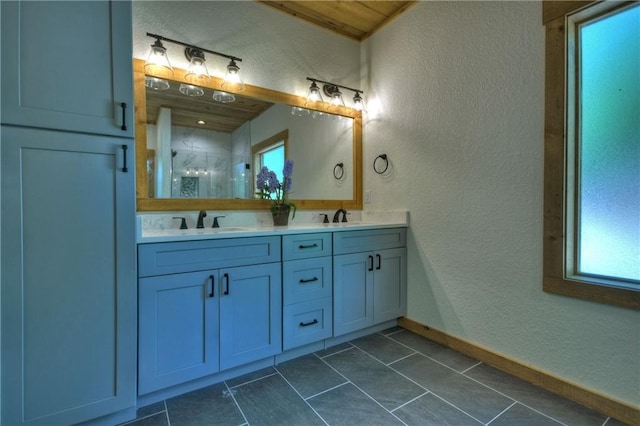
[[66, 65], [390, 284], [250, 313], [68, 277], [352, 292], [178, 323]]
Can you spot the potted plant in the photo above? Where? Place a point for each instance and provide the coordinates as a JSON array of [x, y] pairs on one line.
[[270, 188]]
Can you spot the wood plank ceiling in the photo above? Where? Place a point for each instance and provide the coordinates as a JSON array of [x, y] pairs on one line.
[[354, 19]]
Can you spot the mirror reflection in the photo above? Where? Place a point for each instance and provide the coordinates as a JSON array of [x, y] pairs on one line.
[[200, 148], [196, 153]]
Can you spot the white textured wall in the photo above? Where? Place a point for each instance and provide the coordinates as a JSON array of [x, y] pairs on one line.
[[460, 87], [277, 52], [462, 122]]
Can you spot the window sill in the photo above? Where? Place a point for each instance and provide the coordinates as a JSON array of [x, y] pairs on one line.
[[611, 295]]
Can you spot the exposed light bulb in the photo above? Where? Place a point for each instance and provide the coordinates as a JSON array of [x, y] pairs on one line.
[[232, 80]]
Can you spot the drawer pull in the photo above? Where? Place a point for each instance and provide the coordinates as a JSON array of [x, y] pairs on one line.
[[302, 247], [306, 324], [226, 282], [212, 286], [310, 280], [370, 268], [379, 261]]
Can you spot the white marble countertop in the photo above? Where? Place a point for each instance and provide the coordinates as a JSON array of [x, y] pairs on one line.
[[151, 230]]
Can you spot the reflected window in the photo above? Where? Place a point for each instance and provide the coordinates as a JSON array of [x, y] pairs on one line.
[[270, 153]]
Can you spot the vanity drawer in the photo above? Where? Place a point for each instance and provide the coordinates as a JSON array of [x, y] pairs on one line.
[[191, 256], [368, 240], [306, 279], [303, 246], [307, 322]]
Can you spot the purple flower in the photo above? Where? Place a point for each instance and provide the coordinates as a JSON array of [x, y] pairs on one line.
[[261, 179], [272, 181], [287, 172], [288, 169]]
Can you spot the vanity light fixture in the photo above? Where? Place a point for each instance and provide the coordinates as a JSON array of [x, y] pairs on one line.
[[157, 60], [314, 94], [332, 91], [232, 80], [158, 63], [197, 69]]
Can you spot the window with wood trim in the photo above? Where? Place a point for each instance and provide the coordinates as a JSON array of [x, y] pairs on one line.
[[592, 151]]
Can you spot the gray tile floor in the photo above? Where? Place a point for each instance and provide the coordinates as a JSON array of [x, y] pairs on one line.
[[388, 378]]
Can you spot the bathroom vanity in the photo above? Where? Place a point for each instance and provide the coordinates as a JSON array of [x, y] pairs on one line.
[[214, 304]]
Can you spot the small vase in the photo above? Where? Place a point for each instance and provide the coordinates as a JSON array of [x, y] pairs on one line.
[[280, 214]]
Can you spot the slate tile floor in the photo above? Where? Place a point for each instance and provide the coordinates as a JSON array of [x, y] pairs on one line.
[[390, 378]]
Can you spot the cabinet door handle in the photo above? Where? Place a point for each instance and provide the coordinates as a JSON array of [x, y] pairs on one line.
[[124, 116], [379, 258], [302, 247], [226, 282], [124, 158], [310, 280], [306, 324], [212, 286], [370, 263]]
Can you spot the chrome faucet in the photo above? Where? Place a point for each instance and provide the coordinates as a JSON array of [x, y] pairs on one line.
[[336, 217], [201, 217]]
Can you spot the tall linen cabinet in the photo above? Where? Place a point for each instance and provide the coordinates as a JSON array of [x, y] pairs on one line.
[[68, 269]]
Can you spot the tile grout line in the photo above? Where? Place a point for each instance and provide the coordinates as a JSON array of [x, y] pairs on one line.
[[166, 412], [516, 400], [362, 390], [473, 379], [233, 396], [432, 392], [502, 412], [327, 390], [464, 372], [250, 381], [301, 397], [335, 353], [411, 400]]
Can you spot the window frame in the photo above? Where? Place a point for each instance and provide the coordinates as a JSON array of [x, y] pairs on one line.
[[275, 141], [559, 124]]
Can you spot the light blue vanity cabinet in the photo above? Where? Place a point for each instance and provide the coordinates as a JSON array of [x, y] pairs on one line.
[[67, 66], [206, 306], [179, 329], [307, 288], [369, 278], [69, 323]]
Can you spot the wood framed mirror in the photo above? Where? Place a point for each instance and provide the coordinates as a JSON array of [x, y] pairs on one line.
[[308, 168]]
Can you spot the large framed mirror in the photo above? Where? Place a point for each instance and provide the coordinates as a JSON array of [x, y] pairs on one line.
[[183, 165]]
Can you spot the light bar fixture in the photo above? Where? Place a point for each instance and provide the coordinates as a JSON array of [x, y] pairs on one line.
[[158, 64], [333, 93]]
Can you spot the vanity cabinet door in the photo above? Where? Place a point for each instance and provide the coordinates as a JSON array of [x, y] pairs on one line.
[[389, 284], [250, 313], [67, 66], [352, 292], [178, 322], [68, 277]]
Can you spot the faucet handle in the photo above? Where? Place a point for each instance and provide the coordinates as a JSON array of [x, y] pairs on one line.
[[344, 216], [215, 222], [183, 223], [326, 218]]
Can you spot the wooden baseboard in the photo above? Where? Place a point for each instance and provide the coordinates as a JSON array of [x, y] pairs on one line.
[[604, 404]]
